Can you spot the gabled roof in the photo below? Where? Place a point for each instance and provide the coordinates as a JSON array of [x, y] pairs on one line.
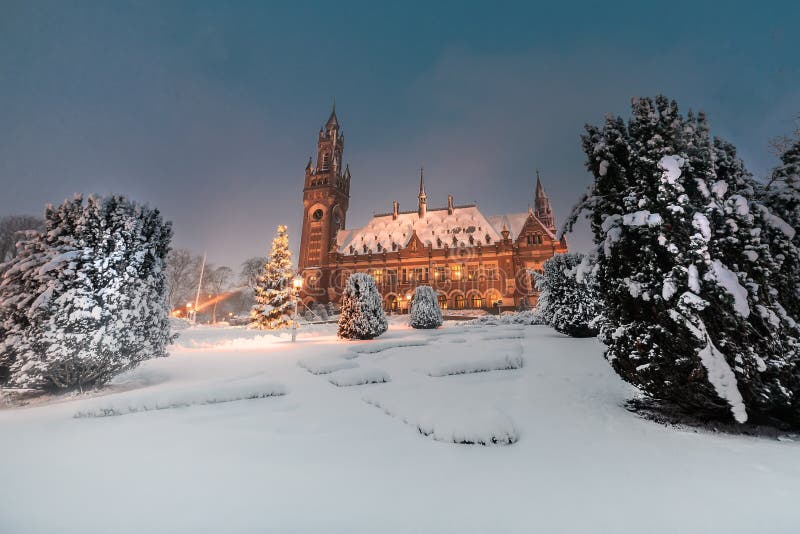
[[438, 228], [515, 222]]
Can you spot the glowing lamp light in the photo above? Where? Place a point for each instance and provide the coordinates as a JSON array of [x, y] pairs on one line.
[[189, 304], [297, 283]]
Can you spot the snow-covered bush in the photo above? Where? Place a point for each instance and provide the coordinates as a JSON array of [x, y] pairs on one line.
[[781, 196], [684, 262], [362, 315], [274, 307], [333, 309], [425, 311], [568, 300], [530, 317], [321, 311], [85, 299]]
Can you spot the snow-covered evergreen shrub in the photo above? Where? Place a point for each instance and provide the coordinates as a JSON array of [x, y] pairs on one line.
[[683, 268], [86, 297], [321, 311], [781, 196], [274, 307], [333, 309], [568, 301], [425, 311], [361, 315]]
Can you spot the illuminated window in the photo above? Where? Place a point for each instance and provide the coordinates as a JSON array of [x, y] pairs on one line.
[[476, 301], [377, 274], [391, 277], [455, 273], [442, 301], [490, 272], [440, 274], [472, 272], [458, 302]]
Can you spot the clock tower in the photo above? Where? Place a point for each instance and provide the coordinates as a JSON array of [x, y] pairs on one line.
[[326, 196]]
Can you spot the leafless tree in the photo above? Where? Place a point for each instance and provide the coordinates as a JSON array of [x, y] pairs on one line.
[[251, 270], [12, 230], [779, 145], [216, 281], [183, 272]]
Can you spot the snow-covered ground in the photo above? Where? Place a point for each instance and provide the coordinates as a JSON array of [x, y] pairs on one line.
[[243, 432]]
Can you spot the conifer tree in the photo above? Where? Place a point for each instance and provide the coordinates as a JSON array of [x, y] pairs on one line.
[[683, 270], [425, 311], [274, 305], [568, 301], [781, 198], [361, 315], [86, 298]]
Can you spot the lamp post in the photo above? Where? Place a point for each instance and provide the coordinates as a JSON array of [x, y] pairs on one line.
[[297, 284]]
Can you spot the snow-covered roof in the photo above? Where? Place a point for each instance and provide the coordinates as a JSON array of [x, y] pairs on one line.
[[514, 222], [438, 228]]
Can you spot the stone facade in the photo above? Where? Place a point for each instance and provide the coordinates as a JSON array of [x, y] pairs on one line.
[[472, 260]]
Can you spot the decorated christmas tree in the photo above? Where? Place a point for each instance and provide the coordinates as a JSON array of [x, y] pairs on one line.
[[362, 315], [274, 305]]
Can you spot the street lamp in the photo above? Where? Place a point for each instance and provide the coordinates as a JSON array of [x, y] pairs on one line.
[[297, 284]]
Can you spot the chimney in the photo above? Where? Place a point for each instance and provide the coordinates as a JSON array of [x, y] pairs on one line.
[[395, 209], [449, 204]]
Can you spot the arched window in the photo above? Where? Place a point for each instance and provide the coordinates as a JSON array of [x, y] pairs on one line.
[[458, 302], [442, 301], [476, 301]]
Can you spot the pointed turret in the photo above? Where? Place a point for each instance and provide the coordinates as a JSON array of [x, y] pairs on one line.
[[423, 198], [333, 121], [541, 204]]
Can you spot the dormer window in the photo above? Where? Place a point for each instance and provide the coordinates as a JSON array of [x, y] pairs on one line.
[[488, 239]]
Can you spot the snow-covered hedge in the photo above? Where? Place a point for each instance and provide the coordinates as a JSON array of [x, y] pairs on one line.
[[425, 311], [362, 315]]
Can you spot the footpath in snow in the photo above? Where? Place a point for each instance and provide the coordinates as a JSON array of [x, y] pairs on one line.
[[468, 428]]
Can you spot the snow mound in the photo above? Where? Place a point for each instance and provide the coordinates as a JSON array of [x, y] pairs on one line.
[[450, 422], [324, 364], [459, 364], [359, 376], [194, 395], [380, 346]]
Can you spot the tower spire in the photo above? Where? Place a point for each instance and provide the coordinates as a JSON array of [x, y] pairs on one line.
[[333, 121], [541, 205], [423, 198]]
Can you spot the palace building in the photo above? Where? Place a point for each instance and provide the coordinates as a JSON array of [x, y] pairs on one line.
[[471, 260]]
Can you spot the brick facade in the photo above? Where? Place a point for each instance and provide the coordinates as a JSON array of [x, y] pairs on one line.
[[473, 261]]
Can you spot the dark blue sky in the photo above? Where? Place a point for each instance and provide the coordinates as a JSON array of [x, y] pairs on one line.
[[209, 110]]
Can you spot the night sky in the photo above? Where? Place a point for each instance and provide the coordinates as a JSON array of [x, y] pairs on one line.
[[210, 110]]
